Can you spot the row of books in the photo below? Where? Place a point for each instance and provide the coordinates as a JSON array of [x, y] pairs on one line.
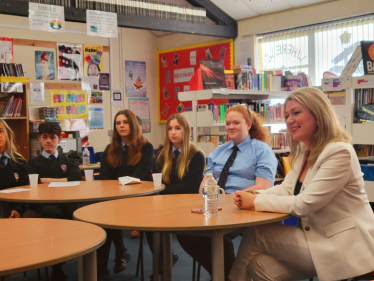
[[279, 141], [364, 106], [11, 107], [216, 140], [66, 3], [12, 70], [364, 150], [276, 113], [48, 113]]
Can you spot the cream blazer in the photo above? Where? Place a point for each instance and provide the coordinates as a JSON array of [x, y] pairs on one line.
[[334, 211]]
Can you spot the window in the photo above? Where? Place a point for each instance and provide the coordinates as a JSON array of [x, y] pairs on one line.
[[316, 49]]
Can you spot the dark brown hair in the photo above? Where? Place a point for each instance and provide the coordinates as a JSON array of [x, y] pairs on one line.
[[51, 128]]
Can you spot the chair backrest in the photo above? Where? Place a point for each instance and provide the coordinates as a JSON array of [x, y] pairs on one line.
[[286, 164], [99, 156]]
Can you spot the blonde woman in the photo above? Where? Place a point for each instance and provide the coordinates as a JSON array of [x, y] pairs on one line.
[[325, 189], [13, 169]]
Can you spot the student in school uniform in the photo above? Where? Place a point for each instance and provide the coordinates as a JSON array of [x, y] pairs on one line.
[[50, 165], [129, 154], [246, 162], [180, 162], [13, 170]]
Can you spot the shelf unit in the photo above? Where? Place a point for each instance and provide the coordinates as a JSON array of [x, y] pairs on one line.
[[19, 125], [205, 118]]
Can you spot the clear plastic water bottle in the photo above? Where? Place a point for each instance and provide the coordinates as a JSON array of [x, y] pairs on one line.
[[210, 200], [86, 157]]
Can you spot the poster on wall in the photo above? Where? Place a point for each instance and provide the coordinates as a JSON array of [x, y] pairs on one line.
[[45, 65], [136, 79], [90, 83], [102, 24], [117, 97], [177, 66], [140, 107], [70, 104], [46, 17], [70, 62], [104, 81], [36, 93], [93, 60], [6, 50], [95, 97], [96, 118]]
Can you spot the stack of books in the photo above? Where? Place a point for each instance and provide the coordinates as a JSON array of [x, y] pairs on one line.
[[12, 70], [66, 3], [215, 139], [11, 107], [48, 113], [364, 150], [364, 106]]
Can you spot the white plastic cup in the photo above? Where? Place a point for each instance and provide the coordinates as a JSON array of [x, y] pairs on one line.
[[33, 180], [88, 174], [157, 179]]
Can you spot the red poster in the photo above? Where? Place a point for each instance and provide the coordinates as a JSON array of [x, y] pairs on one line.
[[177, 66], [6, 50]]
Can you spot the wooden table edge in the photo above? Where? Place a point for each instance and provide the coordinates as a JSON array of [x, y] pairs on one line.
[[187, 228], [55, 261], [84, 200]]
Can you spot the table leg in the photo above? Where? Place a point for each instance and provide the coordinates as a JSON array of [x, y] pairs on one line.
[[80, 269], [218, 271], [156, 255], [89, 267], [168, 263]]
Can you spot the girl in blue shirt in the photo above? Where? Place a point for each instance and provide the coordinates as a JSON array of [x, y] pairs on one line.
[[254, 167]]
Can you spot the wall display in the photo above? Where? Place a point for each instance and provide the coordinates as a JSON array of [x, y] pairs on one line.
[[70, 62], [117, 97], [93, 60], [177, 66], [104, 82], [136, 79], [95, 97], [90, 83], [6, 50], [102, 24], [36, 93], [70, 104], [96, 118], [45, 65], [46, 17], [140, 107]]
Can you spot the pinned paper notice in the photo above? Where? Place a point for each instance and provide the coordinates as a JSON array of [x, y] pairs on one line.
[[14, 190], [128, 180], [64, 184]]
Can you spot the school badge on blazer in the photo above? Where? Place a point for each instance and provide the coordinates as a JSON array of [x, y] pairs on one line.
[[16, 176], [188, 163], [63, 167]]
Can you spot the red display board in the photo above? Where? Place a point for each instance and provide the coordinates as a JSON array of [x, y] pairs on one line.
[[175, 68]]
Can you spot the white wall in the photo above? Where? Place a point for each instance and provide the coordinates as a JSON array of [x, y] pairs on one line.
[[315, 14]]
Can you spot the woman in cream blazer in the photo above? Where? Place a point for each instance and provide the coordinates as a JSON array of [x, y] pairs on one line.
[[335, 239]]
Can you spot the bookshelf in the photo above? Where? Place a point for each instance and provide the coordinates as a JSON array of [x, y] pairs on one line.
[[19, 125], [205, 118]]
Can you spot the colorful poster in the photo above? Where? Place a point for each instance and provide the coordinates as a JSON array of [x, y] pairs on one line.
[[44, 65], [102, 24], [177, 66], [104, 82], [6, 50], [93, 60], [70, 104], [70, 62], [95, 97], [96, 118], [140, 107], [136, 81], [46, 17]]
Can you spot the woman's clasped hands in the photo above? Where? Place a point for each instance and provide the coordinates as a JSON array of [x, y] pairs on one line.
[[244, 199]]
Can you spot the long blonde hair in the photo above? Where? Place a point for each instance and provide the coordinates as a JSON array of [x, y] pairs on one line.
[[10, 145], [328, 126], [164, 161], [257, 130]]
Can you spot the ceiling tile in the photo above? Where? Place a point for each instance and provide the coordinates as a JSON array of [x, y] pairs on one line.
[[266, 6], [235, 8]]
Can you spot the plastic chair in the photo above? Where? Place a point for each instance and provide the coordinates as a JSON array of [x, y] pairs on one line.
[[98, 156]]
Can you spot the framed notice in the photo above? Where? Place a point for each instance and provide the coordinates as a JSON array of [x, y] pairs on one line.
[[177, 66]]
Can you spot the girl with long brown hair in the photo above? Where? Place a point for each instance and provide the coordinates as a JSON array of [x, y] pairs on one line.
[[129, 154]]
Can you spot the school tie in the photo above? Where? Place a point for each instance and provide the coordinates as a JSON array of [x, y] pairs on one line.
[[225, 171], [51, 157], [125, 148], [2, 161], [176, 153]]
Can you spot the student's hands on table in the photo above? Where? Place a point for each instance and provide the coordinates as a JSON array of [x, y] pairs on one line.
[[244, 199]]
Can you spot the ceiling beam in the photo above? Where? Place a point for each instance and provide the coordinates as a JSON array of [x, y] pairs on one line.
[[214, 12], [21, 8]]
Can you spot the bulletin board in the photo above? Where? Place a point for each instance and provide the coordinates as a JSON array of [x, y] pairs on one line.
[[71, 104], [175, 67]]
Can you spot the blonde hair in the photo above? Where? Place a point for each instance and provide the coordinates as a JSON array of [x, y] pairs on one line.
[[10, 145], [328, 126], [257, 130], [164, 161]]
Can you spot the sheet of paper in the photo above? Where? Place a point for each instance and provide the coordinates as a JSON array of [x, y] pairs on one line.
[[15, 190], [64, 184]]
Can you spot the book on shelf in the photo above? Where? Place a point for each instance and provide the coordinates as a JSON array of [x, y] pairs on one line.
[[364, 106], [364, 150], [279, 141], [212, 73], [11, 107], [367, 49], [12, 70]]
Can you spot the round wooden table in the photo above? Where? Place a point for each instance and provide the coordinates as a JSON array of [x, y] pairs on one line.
[[172, 213], [28, 244], [87, 191]]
